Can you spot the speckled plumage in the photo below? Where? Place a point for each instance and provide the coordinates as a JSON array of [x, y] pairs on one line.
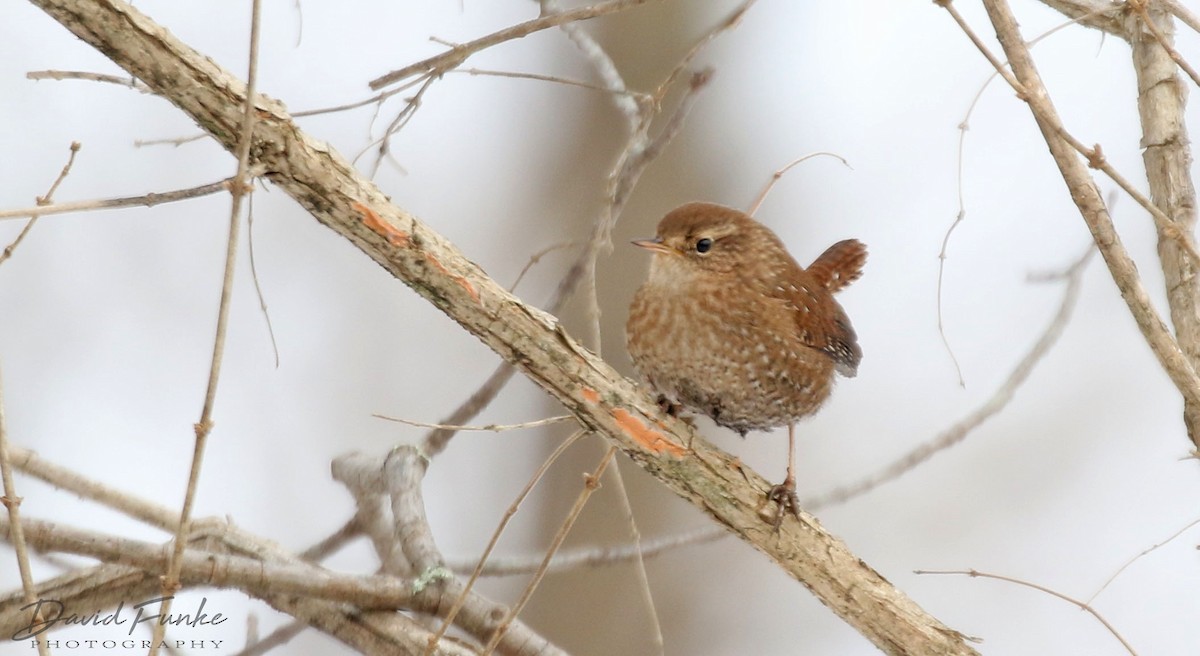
[[741, 333]]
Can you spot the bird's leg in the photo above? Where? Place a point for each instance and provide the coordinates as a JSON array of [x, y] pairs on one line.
[[674, 410], [668, 408], [784, 494]]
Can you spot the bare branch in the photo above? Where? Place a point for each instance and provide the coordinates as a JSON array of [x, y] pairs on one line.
[[144, 200], [454, 57], [240, 187], [491, 428], [590, 483], [398, 477], [336, 195], [1139, 6], [508, 515], [129, 82], [1071, 600], [16, 533], [1104, 15], [34, 215], [778, 175], [1026, 80], [1184, 14], [593, 556], [1166, 153], [1144, 552], [963, 127], [31, 464]]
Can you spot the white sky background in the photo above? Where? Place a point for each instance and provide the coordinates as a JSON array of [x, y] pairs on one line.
[[106, 318]]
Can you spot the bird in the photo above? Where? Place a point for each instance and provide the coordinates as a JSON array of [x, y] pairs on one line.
[[728, 325]]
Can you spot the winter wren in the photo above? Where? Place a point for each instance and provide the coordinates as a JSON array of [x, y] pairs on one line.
[[728, 325]]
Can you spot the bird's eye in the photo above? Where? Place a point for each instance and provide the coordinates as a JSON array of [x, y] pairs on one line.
[[704, 245]]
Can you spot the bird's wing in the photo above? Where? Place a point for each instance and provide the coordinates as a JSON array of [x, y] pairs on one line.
[[822, 324], [840, 265]]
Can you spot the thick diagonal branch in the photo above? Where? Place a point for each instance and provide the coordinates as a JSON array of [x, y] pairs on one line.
[[604, 401], [1162, 98], [1091, 206]]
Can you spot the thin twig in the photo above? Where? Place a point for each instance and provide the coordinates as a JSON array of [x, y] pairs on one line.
[[639, 562], [730, 21], [1140, 7], [775, 177], [334, 541], [174, 141], [511, 512], [492, 428], [31, 464], [565, 561], [241, 186], [129, 82], [1040, 588], [258, 291], [963, 127], [1086, 196], [383, 144], [1041, 106], [1184, 14], [376, 99], [42, 201], [535, 258], [590, 483], [277, 638], [12, 502], [436, 440], [144, 200], [998, 401], [434, 68], [550, 78], [452, 58], [1144, 552]]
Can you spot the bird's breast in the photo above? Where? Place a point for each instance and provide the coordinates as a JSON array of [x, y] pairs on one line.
[[731, 354]]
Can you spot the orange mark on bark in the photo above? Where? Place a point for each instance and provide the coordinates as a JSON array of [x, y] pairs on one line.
[[462, 282], [380, 227], [644, 435], [652, 440]]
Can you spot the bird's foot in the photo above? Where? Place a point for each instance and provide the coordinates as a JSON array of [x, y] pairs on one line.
[[786, 501], [667, 407], [674, 410]]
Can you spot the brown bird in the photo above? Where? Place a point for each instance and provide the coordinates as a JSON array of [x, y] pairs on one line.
[[728, 325]]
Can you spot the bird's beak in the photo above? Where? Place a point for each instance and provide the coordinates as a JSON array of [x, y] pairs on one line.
[[655, 245]]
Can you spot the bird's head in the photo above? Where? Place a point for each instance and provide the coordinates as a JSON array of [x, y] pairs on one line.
[[703, 240]]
